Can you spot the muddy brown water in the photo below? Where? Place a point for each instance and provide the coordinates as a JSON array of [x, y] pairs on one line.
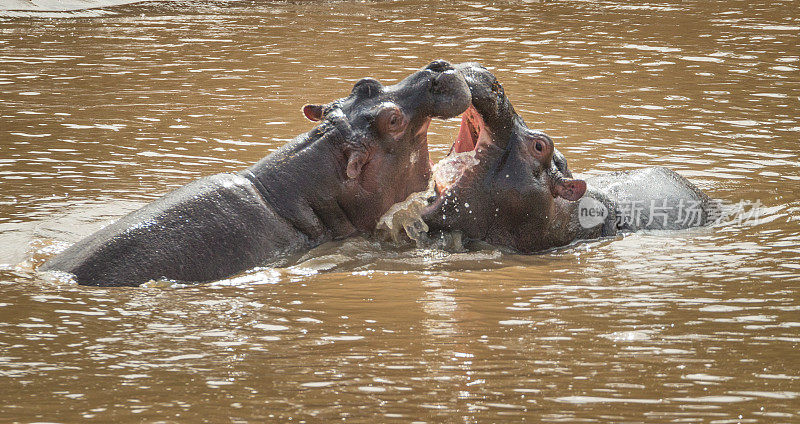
[[103, 111]]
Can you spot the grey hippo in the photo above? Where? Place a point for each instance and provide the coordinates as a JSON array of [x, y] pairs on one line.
[[507, 185], [368, 152]]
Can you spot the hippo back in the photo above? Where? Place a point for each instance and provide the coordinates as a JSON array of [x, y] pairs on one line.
[[655, 198], [209, 229]]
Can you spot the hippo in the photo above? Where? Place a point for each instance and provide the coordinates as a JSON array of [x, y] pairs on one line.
[[507, 185], [368, 151]]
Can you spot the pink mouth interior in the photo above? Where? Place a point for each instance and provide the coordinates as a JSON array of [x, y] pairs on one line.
[[472, 131], [471, 134]]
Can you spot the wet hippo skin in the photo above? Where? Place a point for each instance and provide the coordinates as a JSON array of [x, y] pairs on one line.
[[654, 198], [507, 185], [368, 152]]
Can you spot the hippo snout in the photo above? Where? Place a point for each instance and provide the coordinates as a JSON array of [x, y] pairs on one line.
[[449, 89]]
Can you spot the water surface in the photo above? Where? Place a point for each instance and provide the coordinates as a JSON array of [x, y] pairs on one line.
[[104, 112]]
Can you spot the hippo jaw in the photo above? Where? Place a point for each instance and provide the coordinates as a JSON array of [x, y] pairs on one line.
[[382, 136], [501, 182], [472, 156], [462, 154]]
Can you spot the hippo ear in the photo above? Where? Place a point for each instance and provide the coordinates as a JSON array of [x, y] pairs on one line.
[[355, 163], [313, 112], [570, 189]]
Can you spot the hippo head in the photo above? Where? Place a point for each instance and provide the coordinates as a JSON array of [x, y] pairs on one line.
[[502, 183], [384, 128]]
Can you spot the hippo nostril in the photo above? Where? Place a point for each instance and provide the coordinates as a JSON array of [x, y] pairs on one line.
[[440, 65], [442, 81]]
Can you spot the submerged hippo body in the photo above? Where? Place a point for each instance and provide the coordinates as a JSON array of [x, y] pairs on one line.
[[507, 185], [654, 198], [369, 152]]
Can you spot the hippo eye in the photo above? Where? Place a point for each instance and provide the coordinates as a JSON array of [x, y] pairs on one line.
[[390, 120], [541, 147]]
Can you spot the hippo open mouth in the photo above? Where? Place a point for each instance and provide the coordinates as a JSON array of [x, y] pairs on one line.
[[472, 133], [505, 184], [483, 139], [502, 182]]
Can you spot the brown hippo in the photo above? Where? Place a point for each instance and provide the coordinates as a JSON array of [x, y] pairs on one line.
[[505, 184], [368, 152]]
